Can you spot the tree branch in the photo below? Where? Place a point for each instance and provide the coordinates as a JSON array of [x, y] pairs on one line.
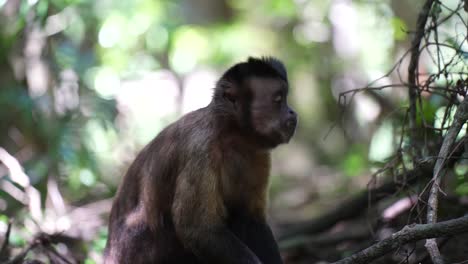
[[459, 120], [410, 233], [413, 73]]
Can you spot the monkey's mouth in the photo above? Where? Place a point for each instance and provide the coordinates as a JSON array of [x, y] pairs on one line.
[[287, 135], [289, 130], [279, 135], [284, 135]]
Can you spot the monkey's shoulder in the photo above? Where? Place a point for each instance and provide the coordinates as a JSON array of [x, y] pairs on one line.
[[192, 133]]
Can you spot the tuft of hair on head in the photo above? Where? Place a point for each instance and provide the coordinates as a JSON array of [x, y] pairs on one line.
[[253, 67], [272, 62]]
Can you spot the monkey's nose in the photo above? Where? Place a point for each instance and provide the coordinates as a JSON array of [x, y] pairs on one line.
[[292, 119]]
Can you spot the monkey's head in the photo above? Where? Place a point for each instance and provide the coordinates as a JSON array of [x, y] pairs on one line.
[[253, 95]]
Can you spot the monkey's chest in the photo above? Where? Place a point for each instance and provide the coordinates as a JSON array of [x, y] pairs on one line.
[[242, 186]]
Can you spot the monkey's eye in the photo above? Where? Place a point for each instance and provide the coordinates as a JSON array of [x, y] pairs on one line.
[[278, 98]]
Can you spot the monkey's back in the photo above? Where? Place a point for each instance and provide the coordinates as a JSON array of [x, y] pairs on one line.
[[141, 229]]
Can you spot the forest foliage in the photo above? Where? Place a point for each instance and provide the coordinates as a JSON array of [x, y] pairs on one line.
[[85, 84]]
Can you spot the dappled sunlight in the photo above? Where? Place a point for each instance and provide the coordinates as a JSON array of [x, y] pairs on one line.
[[85, 85], [198, 89], [344, 17], [66, 94]]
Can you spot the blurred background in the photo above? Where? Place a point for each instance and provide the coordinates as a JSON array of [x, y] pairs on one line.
[[84, 85]]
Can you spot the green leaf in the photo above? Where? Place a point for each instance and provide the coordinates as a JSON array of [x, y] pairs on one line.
[[281, 8], [3, 218], [462, 189], [400, 28], [355, 161]]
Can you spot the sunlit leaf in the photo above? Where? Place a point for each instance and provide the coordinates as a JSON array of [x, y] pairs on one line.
[[355, 161], [3, 218], [284, 8], [382, 143], [191, 45], [400, 29], [112, 31]]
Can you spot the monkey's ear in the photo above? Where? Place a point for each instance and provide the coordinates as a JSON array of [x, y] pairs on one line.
[[230, 95], [228, 91]]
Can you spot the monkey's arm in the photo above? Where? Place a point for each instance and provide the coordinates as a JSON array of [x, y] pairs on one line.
[[257, 235], [198, 218]]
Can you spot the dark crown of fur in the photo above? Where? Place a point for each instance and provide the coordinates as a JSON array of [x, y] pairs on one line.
[[272, 62], [255, 67]]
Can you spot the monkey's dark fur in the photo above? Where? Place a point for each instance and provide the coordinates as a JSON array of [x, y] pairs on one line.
[[198, 192]]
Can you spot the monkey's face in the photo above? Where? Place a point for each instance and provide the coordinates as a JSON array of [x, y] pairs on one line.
[[271, 119]]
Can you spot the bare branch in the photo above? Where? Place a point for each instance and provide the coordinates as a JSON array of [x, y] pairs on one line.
[[410, 233], [18, 175], [413, 72], [459, 120]]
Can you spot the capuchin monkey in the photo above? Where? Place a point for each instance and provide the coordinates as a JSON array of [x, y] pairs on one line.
[[198, 192]]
